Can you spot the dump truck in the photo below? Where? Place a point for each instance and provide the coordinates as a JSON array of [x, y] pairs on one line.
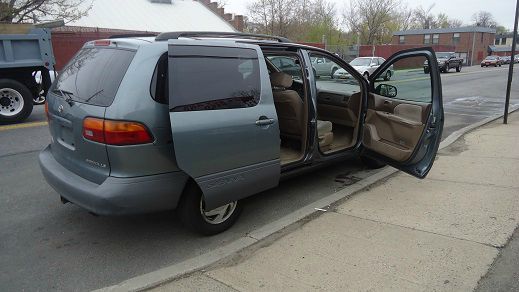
[[26, 64]]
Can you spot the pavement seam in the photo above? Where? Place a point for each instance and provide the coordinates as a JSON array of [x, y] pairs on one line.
[[223, 283], [19, 153], [419, 230], [472, 183]]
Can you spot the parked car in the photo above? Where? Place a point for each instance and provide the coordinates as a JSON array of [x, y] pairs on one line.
[[491, 61], [287, 65], [446, 61], [132, 134], [323, 67], [365, 66], [516, 58], [506, 59]]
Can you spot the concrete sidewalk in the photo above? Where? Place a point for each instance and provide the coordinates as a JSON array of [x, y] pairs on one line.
[[403, 234]]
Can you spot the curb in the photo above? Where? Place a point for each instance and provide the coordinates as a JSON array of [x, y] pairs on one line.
[[168, 274]]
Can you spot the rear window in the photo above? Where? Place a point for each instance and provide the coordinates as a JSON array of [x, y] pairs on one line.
[[94, 75], [215, 82]]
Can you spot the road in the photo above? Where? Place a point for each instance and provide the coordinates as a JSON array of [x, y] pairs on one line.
[[47, 246]]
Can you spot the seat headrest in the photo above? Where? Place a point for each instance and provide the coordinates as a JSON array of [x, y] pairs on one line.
[[280, 79]]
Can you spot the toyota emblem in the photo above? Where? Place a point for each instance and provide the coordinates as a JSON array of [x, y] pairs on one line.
[[60, 108]]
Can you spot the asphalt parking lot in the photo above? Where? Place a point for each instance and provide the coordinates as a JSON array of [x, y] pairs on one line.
[[45, 245]]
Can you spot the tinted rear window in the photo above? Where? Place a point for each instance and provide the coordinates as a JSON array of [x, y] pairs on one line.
[[94, 75]]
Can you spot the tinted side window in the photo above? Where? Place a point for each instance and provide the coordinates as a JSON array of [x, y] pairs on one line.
[[215, 82]]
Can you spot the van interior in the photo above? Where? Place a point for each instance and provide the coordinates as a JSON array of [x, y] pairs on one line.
[[338, 109]]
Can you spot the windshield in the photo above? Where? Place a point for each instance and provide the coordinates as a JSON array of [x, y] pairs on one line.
[[94, 75], [361, 62], [443, 55], [490, 58]]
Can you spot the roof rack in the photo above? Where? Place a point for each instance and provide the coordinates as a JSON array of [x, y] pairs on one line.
[[178, 34], [132, 35]]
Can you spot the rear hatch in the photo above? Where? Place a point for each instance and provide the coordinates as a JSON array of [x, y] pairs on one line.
[[84, 88]]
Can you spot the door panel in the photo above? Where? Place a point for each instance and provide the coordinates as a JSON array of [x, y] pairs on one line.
[[223, 120], [404, 116], [393, 128]]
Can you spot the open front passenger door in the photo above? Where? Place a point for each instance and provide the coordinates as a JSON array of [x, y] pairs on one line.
[[403, 117]]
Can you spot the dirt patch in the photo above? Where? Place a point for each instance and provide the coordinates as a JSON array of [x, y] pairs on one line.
[[455, 148]]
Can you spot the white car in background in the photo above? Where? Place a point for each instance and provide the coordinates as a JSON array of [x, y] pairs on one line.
[[365, 66]]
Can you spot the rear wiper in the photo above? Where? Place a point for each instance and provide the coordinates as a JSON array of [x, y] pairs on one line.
[[66, 94]]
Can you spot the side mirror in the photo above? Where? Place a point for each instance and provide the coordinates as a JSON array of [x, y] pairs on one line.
[[386, 90]]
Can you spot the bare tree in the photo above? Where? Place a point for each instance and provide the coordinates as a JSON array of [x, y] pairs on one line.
[[291, 18], [484, 19], [370, 18], [424, 18], [39, 10]]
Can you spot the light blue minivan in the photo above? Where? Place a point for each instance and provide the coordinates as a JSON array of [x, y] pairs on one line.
[[197, 121]]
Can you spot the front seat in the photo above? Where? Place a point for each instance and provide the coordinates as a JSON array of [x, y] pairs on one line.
[[289, 106]]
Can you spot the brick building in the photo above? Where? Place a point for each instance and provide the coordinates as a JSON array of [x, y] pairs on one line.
[[470, 43]]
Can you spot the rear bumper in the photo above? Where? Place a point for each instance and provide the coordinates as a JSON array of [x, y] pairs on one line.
[[115, 196]]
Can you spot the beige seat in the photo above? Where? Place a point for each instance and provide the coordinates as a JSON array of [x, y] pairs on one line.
[[289, 106], [324, 133]]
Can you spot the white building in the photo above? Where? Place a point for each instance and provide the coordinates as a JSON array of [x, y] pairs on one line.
[[155, 16]]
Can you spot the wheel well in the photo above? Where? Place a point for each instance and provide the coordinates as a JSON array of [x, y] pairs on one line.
[[24, 76], [190, 183]]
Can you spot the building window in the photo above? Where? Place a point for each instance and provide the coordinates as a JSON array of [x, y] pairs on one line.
[[436, 38], [456, 38], [427, 39], [401, 40]]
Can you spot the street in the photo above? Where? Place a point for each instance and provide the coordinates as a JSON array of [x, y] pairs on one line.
[[47, 246]]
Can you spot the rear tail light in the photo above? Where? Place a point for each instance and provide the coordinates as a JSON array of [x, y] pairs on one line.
[[118, 133]]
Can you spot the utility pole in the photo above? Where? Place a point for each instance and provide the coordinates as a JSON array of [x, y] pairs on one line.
[[473, 45], [511, 68]]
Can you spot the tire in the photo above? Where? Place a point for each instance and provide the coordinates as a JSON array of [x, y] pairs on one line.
[[16, 101], [425, 71], [366, 75], [193, 217], [371, 163], [458, 69]]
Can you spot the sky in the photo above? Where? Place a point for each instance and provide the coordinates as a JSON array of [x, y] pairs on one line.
[[502, 10]]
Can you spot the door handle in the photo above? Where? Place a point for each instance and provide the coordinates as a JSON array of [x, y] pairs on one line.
[[264, 121]]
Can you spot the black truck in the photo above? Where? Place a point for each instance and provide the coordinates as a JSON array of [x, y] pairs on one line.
[[446, 61]]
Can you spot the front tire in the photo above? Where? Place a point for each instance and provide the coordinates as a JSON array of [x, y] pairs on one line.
[[194, 216], [458, 69], [16, 101]]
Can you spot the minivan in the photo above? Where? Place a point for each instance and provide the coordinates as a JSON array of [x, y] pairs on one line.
[[197, 121]]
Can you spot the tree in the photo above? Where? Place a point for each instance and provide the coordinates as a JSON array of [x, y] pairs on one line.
[[371, 19], [299, 20], [19, 11], [424, 18], [484, 19]]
